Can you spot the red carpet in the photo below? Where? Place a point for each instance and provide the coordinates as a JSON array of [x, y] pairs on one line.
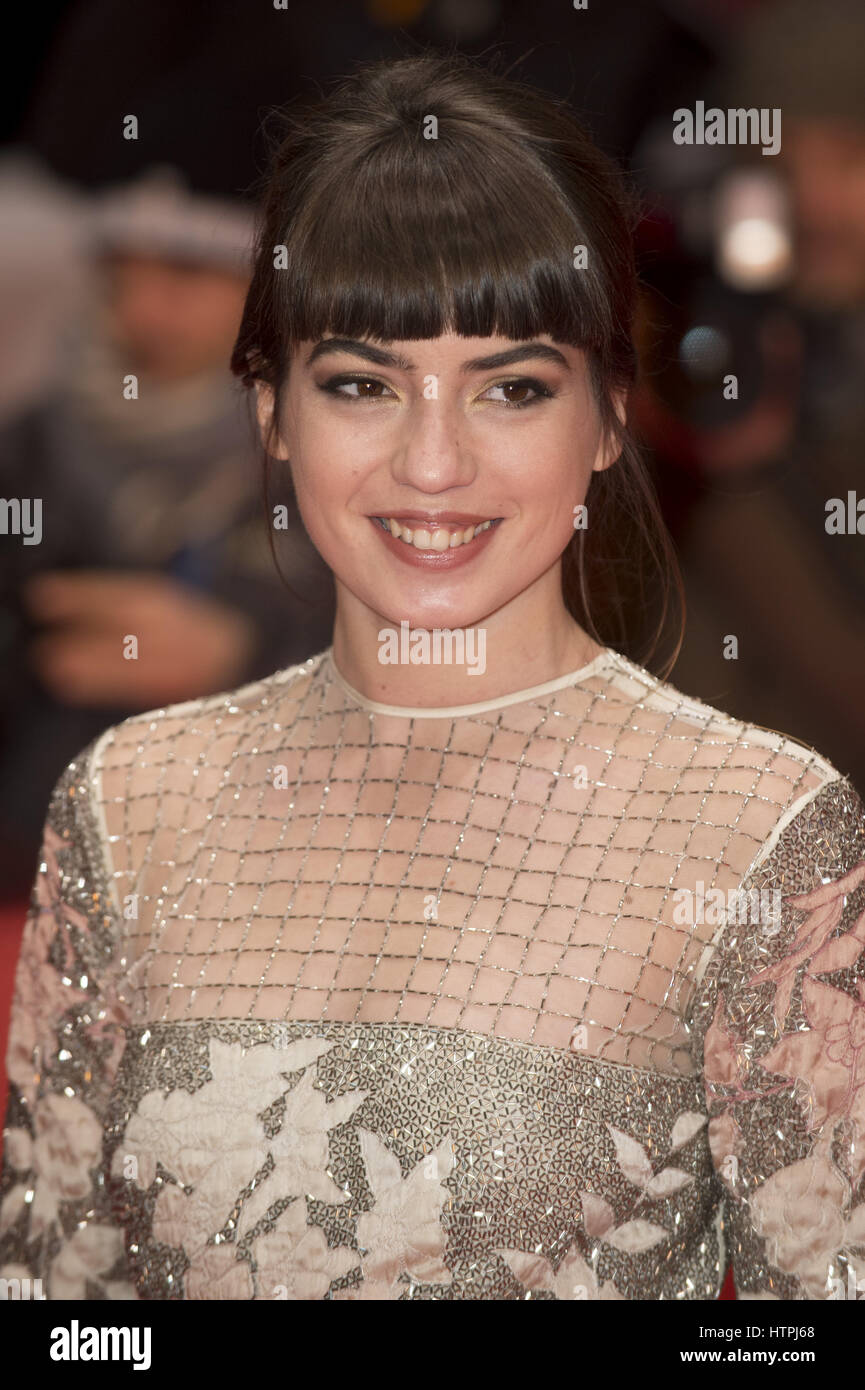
[[11, 925]]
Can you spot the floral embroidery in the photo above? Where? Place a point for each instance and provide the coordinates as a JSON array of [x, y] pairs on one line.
[[830, 1056], [213, 1142], [803, 1210], [86, 1258], [295, 1261], [573, 1279], [68, 1144], [403, 1234], [400, 1240], [823, 908], [639, 1234]]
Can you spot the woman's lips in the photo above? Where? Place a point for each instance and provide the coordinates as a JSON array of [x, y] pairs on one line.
[[452, 558]]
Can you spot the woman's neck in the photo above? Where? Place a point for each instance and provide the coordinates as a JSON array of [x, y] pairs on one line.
[[403, 663]]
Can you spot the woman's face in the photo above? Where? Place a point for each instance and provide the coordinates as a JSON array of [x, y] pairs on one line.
[[475, 429]]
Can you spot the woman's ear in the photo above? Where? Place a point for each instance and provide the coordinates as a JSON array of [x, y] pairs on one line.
[[264, 404], [610, 448]]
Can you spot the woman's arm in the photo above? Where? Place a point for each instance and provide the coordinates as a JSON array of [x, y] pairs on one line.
[[784, 1061], [65, 1042]]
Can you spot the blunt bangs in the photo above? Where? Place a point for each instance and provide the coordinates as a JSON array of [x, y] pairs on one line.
[[433, 240]]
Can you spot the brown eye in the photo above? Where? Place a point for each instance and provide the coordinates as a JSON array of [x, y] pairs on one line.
[[517, 391], [521, 393], [367, 388]]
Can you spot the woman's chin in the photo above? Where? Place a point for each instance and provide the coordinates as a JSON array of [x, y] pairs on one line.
[[423, 619]]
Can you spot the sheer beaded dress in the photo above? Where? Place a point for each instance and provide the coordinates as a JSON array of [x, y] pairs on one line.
[[559, 995]]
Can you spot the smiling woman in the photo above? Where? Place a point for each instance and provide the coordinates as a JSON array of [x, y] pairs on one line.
[[498, 221], [378, 980]]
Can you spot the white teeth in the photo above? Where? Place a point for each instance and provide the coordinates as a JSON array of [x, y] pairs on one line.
[[441, 538]]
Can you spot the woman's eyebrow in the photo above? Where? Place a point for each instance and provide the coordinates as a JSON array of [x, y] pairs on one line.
[[382, 358], [358, 348], [541, 351]]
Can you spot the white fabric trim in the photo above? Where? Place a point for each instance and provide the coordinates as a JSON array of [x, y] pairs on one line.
[[604, 657]]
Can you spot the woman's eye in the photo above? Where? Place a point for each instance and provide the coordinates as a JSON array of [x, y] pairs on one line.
[[516, 398], [336, 384]]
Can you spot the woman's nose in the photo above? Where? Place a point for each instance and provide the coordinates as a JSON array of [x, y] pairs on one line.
[[434, 452]]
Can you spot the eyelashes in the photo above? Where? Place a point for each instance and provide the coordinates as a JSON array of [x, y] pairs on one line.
[[542, 391]]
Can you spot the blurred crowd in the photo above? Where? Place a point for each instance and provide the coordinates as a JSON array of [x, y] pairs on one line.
[[123, 268]]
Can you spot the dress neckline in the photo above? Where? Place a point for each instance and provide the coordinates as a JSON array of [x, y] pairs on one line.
[[604, 656]]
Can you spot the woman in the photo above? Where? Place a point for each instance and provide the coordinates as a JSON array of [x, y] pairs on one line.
[[467, 959]]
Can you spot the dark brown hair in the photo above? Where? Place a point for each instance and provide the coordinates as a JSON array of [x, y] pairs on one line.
[[391, 235]]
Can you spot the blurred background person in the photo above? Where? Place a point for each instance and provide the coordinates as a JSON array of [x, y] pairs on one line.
[[152, 524]]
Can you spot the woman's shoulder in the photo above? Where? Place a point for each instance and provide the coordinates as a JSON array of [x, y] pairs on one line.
[[711, 766], [129, 756], [708, 736]]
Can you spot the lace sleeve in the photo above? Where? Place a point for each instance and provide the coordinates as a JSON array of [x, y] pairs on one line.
[[65, 1041], [783, 1047]]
